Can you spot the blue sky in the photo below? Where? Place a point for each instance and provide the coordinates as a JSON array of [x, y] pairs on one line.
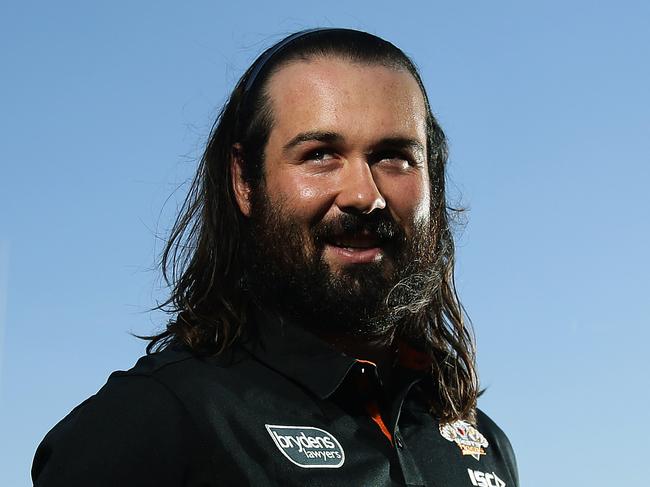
[[106, 106]]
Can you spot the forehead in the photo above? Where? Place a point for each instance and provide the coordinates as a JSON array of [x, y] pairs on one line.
[[360, 101]]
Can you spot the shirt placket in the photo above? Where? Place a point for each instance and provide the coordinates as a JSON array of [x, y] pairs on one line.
[[369, 385], [410, 470]]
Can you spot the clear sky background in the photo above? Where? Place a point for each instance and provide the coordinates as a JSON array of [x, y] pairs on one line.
[[105, 107]]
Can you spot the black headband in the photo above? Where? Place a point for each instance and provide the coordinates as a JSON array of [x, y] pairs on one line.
[[264, 59]]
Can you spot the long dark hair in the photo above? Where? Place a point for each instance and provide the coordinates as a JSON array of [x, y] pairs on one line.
[[201, 261]]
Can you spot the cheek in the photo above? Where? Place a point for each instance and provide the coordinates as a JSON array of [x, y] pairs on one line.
[[308, 198], [307, 193], [410, 200], [422, 211]]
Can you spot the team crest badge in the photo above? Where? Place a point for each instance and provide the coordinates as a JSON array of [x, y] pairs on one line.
[[469, 439]]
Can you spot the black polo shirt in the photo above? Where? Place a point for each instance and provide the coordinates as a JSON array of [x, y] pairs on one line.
[[284, 410]]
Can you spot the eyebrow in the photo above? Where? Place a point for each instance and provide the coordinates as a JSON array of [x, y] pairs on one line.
[[333, 137], [317, 136], [401, 143]]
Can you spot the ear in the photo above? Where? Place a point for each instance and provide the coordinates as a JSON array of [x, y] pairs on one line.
[[240, 187]]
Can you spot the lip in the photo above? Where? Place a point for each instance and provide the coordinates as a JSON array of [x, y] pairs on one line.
[[355, 255]]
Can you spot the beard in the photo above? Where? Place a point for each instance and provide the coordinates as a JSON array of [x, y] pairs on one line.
[[286, 272]]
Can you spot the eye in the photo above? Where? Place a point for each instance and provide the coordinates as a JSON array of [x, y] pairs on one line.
[[319, 155], [396, 159]]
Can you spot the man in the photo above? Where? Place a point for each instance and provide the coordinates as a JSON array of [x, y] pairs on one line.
[[317, 338]]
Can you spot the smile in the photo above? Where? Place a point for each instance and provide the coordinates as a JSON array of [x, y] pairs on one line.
[[354, 252], [356, 242]]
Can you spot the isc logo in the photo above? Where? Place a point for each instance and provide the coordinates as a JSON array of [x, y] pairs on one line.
[[481, 479]]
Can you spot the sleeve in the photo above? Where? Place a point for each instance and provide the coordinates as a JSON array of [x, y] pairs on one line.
[[133, 432]]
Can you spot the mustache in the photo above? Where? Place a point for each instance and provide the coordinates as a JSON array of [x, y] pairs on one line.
[[379, 225]]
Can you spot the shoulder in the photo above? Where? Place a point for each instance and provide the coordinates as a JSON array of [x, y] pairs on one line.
[[498, 441], [196, 382], [132, 425]]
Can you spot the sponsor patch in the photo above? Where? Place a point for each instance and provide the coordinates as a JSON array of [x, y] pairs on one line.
[[482, 479], [306, 446], [469, 439]]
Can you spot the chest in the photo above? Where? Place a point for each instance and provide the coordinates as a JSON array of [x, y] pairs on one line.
[[277, 434]]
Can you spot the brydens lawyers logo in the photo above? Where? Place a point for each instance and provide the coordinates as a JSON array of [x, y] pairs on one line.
[[306, 446], [469, 439]]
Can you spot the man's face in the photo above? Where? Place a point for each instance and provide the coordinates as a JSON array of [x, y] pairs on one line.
[[344, 207]]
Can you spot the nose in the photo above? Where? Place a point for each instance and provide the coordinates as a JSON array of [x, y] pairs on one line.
[[359, 192]]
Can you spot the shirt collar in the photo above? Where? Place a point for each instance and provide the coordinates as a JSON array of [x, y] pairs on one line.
[[298, 354], [310, 361]]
